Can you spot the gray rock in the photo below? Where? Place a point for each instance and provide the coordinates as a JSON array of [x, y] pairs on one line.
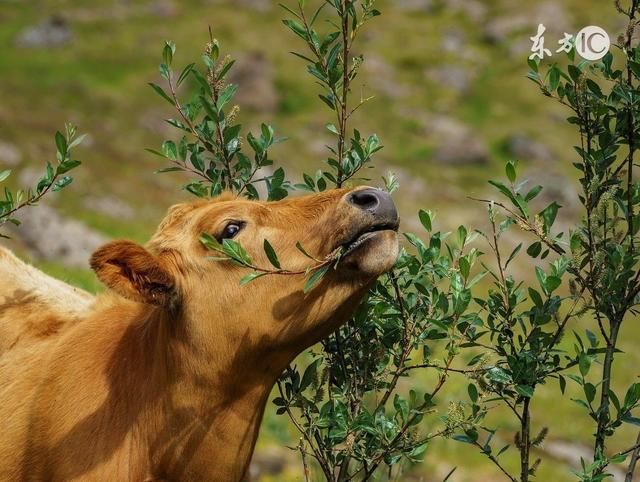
[[110, 206], [414, 5], [500, 29], [10, 156], [51, 32], [523, 147], [268, 461], [474, 9], [382, 78], [573, 454], [51, 236], [253, 73], [412, 186], [456, 143], [164, 8], [259, 5], [555, 18], [556, 187], [453, 41], [454, 77], [29, 176]]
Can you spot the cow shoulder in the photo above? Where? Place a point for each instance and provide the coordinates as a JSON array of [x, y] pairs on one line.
[[33, 305]]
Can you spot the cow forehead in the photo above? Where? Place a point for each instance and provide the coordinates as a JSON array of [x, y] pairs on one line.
[[202, 213]]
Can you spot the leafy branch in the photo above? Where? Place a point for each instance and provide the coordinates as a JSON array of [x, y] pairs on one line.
[[54, 179]]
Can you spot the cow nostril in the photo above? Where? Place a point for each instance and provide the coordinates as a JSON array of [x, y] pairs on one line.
[[366, 200], [375, 202]]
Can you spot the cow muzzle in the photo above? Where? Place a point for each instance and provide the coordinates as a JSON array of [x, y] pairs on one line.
[[371, 245]]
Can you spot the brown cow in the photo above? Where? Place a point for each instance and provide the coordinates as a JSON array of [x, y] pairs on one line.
[[166, 376]]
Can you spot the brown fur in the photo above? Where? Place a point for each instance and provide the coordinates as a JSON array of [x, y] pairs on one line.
[[166, 376]]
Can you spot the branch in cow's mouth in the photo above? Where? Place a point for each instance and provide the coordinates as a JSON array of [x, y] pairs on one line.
[[233, 251]]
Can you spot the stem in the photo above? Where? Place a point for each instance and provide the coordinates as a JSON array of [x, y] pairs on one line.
[[406, 347], [345, 92], [495, 462], [603, 410], [630, 132], [303, 454], [634, 460], [32, 200], [323, 465], [525, 444]]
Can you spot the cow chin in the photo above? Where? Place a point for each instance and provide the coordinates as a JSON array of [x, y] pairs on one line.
[[376, 255]]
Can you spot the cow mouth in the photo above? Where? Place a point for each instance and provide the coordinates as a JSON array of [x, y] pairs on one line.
[[361, 238]]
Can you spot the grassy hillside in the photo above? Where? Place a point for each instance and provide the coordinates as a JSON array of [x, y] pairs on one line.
[[433, 66]]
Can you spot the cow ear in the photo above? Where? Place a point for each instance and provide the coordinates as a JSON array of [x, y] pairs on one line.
[[133, 272]]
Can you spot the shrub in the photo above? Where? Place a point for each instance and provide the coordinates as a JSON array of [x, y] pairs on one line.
[[431, 313]]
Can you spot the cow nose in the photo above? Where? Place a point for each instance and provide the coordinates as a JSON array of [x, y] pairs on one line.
[[376, 202]]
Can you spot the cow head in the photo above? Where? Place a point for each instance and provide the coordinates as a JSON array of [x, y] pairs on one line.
[[273, 315]]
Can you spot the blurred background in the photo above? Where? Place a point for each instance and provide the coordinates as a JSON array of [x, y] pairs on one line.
[[452, 103]]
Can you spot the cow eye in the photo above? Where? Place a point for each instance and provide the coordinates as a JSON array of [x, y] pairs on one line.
[[231, 229]]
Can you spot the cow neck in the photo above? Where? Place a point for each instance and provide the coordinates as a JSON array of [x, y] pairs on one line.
[[224, 391]]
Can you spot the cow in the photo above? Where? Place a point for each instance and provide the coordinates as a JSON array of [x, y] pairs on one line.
[[165, 376]]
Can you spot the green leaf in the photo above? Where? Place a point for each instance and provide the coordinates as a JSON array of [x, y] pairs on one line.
[[552, 283], [513, 254], [185, 72], [303, 251], [61, 143], [632, 396], [554, 78], [535, 297], [510, 169], [419, 450], [525, 390], [271, 254], [584, 363], [210, 242], [533, 193], [315, 278], [236, 252], [534, 249], [164, 71], [426, 219], [332, 128], [250, 277], [465, 267], [462, 235], [496, 374], [169, 169], [66, 166], [225, 96], [473, 392], [62, 183], [548, 215], [160, 91], [168, 51], [5, 174], [78, 140], [296, 28], [310, 375], [563, 383]]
